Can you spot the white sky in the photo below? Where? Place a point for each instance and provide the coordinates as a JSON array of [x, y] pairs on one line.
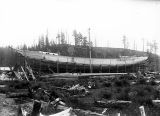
[[23, 21]]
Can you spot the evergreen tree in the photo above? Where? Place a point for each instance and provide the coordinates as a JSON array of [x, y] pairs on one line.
[[76, 39], [47, 42], [63, 41], [84, 41], [41, 43], [24, 47], [47, 45]]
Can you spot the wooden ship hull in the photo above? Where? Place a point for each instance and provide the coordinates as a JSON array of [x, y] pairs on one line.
[[60, 63]]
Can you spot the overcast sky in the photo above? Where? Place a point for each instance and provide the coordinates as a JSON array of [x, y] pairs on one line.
[[23, 21]]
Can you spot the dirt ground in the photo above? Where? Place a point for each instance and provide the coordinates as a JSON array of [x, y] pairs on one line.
[[126, 87], [7, 106]]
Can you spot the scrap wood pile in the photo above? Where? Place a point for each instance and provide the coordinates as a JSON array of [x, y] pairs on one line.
[[50, 100], [78, 90], [83, 97], [39, 109], [19, 73]]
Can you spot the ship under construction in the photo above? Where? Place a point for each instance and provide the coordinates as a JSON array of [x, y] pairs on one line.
[[54, 63]]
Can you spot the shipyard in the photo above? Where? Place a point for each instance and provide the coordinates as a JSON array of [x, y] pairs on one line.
[[80, 58]]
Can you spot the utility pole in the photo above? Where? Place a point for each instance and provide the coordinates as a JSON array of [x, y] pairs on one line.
[[143, 44], [124, 43], [155, 50], [90, 54]]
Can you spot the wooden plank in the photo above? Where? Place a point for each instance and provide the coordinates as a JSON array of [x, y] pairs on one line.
[[17, 75], [24, 73], [31, 72]]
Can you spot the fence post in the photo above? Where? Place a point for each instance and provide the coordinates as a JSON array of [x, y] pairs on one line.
[[118, 114], [142, 111]]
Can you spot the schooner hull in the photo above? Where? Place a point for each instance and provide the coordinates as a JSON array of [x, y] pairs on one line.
[[83, 61]]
